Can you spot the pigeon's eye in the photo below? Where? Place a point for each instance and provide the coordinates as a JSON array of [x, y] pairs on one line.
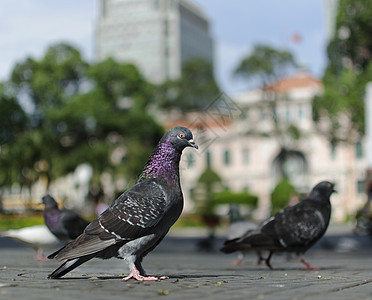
[[181, 135]]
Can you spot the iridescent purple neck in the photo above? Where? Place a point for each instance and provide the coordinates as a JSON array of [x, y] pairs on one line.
[[163, 164]]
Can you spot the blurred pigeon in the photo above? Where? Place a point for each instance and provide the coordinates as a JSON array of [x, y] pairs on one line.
[[238, 227], [139, 218], [37, 237], [294, 229], [65, 224]]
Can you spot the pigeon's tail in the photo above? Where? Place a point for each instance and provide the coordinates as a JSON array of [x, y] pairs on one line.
[[69, 265], [251, 241], [230, 246]]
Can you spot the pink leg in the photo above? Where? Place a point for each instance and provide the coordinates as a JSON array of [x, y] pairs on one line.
[[40, 255], [308, 266], [136, 275], [237, 262]]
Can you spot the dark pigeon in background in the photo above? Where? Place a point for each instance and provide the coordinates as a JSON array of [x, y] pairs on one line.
[[66, 225], [139, 218], [293, 229]]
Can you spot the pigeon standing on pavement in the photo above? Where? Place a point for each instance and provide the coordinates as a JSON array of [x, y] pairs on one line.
[[293, 229], [37, 237], [66, 225], [139, 218], [238, 227]]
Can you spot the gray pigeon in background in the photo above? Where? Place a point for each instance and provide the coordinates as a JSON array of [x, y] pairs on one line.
[[139, 218], [238, 227], [37, 237], [66, 225], [293, 229]]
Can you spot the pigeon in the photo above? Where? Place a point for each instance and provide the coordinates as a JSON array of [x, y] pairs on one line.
[[293, 229], [238, 227], [139, 218], [37, 237], [65, 224]]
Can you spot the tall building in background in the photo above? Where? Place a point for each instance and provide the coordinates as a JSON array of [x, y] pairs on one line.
[[158, 36]]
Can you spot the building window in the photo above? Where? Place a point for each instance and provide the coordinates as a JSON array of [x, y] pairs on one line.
[[245, 154], [263, 114], [208, 158], [227, 157], [360, 187], [359, 149], [300, 113], [288, 115]]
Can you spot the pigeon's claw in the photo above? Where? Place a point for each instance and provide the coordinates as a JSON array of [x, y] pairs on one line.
[[308, 266], [136, 275], [40, 255], [237, 262]]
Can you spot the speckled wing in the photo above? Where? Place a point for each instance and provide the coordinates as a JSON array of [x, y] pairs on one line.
[[134, 213], [298, 226]]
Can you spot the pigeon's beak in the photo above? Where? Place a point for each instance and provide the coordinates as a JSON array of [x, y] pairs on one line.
[[193, 144], [332, 185]]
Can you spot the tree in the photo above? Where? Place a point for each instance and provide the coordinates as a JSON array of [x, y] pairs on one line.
[[193, 91], [281, 195], [340, 110], [13, 121], [266, 65], [50, 82], [108, 126]]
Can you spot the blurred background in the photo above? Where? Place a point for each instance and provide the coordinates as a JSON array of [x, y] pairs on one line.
[[275, 92]]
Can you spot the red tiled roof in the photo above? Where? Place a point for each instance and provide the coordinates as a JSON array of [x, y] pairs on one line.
[[298, 81]]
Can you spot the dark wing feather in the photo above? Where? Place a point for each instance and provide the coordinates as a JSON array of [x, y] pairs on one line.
[[73, 223], [296, 227]]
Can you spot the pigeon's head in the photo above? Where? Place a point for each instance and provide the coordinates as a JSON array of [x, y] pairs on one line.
[[324, 188], [180, 138], [48, 201]]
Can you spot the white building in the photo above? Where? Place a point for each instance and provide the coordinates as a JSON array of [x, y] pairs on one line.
[[237, 138], [158, 36]]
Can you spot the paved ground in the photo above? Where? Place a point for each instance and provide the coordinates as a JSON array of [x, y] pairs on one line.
[[346, 273]]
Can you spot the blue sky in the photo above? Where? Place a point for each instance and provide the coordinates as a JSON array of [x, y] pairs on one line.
[[28, 27]]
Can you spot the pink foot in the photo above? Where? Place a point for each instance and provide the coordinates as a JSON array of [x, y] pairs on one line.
[[308, 266], [40, 255], [237, 262], [134, 274]]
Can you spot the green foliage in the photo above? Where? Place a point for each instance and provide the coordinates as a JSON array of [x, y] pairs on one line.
[[294, 132], [16, 221], [348, 71], [266, 64], [281, 195], [13, 119], [228, 197], [209, 177]]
